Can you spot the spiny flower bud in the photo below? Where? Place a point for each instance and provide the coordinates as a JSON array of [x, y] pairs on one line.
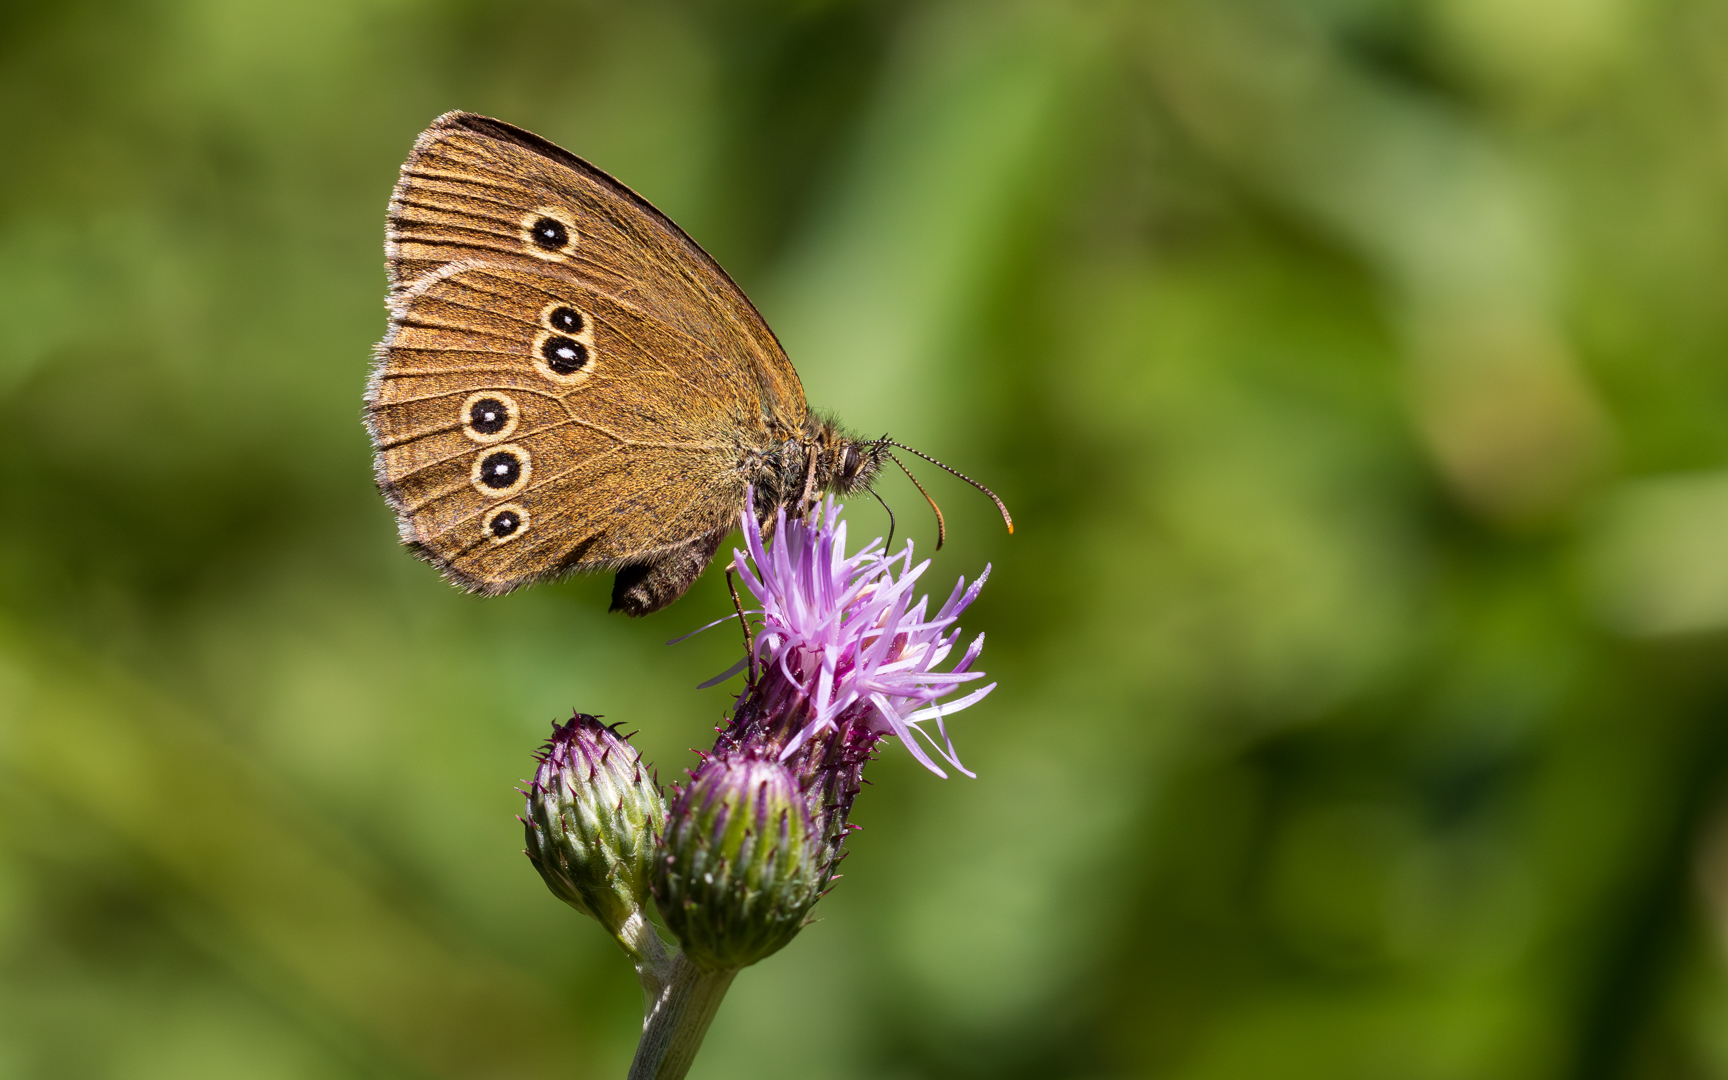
[[592, 823], [741, 869]]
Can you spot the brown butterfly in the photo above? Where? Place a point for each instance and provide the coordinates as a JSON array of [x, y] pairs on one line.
[[570, 383]]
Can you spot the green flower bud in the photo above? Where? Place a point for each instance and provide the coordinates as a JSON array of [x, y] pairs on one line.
[[592, 823], [741, 868]]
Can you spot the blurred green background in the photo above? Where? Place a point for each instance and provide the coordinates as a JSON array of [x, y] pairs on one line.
[[1354, 369]]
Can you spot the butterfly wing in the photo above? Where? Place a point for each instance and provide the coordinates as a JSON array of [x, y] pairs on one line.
[[569, 381]]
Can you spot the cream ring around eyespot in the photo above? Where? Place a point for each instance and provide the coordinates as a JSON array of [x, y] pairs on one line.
[[574, 352], [505, 523], [475, 419], [549, 233], [501, 471]]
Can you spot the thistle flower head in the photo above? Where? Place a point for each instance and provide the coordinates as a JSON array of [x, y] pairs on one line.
[[844, 634], [848, 656], [592, 822], [741, 868]]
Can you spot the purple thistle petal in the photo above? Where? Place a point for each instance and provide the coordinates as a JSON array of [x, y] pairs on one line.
[[851, 639]]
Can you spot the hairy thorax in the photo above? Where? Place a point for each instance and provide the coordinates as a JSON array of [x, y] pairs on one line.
[[821, 457], [792, 472]]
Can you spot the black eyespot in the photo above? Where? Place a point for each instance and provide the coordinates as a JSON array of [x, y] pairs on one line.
[[564, 355], [488, 416], [503, 523], [566, 319], [549, 233], [500, 470]]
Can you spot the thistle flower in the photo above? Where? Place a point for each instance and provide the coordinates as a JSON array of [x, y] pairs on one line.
[[847, 658], [843, 647], [592, 822]]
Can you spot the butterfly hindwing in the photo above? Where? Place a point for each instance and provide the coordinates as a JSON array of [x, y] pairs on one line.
[[527, 424]]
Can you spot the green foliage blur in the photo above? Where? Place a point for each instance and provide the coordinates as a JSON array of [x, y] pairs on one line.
[[1355, 372]]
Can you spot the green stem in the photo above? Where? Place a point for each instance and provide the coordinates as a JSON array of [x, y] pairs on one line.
[[644, 947], [682, 1001]]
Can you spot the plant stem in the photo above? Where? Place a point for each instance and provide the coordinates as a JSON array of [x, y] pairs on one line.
[[683, 999], [644, 948]]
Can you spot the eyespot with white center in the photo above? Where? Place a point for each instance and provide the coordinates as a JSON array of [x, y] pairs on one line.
[[489, 416], [549, 232], [505, 523], [564, 351], [565, 320], [565, 356], [501, 471]]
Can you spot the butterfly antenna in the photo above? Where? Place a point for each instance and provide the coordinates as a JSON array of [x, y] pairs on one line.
[[1006, 517], [890, 510], [941, 525]]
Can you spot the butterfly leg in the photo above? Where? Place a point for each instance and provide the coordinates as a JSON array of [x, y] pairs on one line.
[[749, 639], [807, 501], [648, 587]]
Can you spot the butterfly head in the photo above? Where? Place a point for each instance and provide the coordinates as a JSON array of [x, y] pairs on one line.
[[858, 463], [831, 459]]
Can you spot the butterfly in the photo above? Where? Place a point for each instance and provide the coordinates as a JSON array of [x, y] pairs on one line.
[[570, 383]]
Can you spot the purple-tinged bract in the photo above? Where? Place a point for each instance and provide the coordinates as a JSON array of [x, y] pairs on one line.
[[593, 821], [741, 868]]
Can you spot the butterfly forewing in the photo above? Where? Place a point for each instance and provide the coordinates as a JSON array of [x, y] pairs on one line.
[[474, 185], [568, 382]]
